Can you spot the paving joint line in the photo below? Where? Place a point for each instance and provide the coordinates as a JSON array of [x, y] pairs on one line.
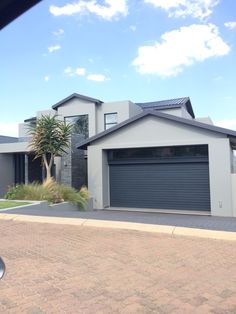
[[173, 232]]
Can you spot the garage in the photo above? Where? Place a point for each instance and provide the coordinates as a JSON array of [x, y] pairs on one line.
[[173, 178]]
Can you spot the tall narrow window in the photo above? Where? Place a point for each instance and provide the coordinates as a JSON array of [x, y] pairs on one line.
[[80, 124], [110, 119]]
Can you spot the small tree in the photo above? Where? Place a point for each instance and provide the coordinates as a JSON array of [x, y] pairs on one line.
[[50, 138]]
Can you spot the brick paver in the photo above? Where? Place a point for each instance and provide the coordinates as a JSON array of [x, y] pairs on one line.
[[69, 269]]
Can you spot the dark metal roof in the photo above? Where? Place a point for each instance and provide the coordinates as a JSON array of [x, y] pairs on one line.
[[168, 104], [7, 139], [11, 9], [32, 119], [194, 123], [75, 95]]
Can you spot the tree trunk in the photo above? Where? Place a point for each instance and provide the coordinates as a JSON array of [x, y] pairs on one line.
[[48, 165]]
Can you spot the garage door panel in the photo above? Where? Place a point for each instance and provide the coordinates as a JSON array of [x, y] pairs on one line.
[[166, 186]]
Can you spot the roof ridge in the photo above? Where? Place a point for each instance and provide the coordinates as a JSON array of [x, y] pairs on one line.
[[61, 102]]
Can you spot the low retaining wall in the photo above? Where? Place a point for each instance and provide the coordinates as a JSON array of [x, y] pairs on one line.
[[33, 204], [44, 205], [66, 205]]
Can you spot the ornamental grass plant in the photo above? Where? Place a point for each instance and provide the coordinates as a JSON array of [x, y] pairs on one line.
[[49, 191]]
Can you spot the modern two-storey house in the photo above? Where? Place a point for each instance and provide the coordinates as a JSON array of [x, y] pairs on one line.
[[154, 155]]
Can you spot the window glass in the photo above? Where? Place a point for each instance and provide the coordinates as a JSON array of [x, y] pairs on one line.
[[80, 124], [110, 120], [159, 152]]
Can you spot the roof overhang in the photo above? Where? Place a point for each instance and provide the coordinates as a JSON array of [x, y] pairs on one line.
[[169, 104], [78, 96], [11, 148]]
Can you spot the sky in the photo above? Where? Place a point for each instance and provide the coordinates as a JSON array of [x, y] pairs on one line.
[[138, 50]]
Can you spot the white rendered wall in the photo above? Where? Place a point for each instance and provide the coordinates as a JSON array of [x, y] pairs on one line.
[[18, 147], [49, 112], [23, 129], [233, 178], [174, 111], [206, 120], [121, 107]]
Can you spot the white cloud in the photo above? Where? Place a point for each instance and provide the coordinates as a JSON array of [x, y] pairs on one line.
[[73, 72], [54, 48], [80, 71], [180, 48], [59, 32], [226, 123], [133, 28], [69, 71], [111, 8], [9, 128], [181, 8], [46, 78], [96, 77], [230, 25]]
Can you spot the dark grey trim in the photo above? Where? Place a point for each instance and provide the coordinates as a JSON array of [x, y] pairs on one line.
[[159, 161], [75, 95], [230, 133], [169, 104], [8, 139], [33, 119]]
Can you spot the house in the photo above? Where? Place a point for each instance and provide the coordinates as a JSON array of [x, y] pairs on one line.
[[154, 155]]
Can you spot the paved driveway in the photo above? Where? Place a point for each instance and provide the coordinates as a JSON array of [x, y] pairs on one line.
[[69, 269], [188, 221]]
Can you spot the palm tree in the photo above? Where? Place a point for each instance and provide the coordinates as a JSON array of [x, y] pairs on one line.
[[50, 137]]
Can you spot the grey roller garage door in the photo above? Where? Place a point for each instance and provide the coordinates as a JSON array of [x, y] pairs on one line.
[[181, 186]]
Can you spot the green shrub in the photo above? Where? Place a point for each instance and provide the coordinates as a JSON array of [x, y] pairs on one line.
[[49, 191], [33, 191], [71, 195]]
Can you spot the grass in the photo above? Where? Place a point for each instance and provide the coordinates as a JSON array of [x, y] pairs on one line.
[[8, 204]]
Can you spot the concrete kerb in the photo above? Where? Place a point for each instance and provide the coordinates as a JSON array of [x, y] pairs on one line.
[[32, 204], [45, 205], [164, 229]]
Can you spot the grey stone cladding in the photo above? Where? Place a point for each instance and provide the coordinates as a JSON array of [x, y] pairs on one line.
[[74, 164]]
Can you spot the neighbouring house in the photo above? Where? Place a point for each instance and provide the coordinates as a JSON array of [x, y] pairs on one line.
[[154, 155]]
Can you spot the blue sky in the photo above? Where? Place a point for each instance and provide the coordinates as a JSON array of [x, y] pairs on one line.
[[141, 50]]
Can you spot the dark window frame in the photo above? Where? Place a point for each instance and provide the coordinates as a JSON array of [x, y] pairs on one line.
[[107, 123], [159, 154], [76, 116]]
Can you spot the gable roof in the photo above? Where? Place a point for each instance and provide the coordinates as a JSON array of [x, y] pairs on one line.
[[204, 126], [75, 95], [168, 104]]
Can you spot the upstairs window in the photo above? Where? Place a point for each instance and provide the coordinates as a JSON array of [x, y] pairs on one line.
[[110, 120], [80, 124]]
